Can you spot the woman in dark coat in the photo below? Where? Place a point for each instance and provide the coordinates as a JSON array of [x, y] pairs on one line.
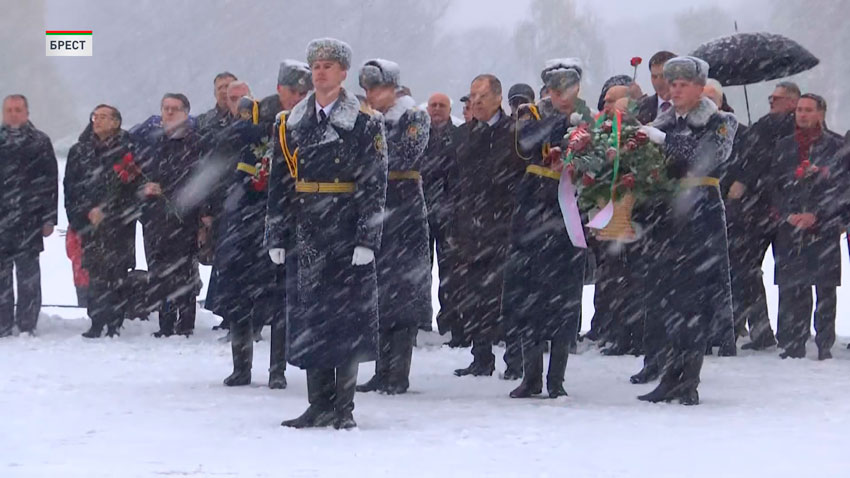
[[810, 208], [404, 263], [101, 179], [544, 276]]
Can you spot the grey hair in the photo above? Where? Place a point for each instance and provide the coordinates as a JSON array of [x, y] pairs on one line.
[[790, 87]]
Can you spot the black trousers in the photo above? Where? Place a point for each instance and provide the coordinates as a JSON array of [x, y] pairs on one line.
[[333, 389], [559, 351], [28, 274], [246, 316], [795, 311], [617, 297], [395, 353], [749, 238], [107, 302]]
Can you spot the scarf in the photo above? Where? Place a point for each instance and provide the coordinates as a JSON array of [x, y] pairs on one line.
[[806, 137]]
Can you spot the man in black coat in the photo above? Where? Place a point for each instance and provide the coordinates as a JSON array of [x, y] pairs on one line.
[[691, 269], [326, 202], [28, 208], [210, 124], [748, 204], [438, 170], [484, 195], [100, 185], [169, 148], [404, 264], [810, 205], [651, 106]]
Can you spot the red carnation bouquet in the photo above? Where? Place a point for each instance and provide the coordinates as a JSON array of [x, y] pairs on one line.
[[127, 169]]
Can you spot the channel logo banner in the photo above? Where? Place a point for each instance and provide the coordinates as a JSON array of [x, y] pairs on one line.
[[68, 42]]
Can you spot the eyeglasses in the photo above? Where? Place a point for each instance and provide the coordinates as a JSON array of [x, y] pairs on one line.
[[773, 98], [172, 109]]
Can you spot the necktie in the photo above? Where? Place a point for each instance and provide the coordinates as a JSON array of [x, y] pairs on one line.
[[322, 117], [682, 124], [665, 106]]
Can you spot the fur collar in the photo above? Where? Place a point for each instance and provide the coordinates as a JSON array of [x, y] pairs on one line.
[[343, 116], [401, 106], [697, 118]]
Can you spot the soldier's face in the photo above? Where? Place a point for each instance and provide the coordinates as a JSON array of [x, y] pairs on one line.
[[15, 113], [327, 75], [289, 97], [382, 98], [221, 91], [439, 109], [234, 94], [808, 115], [563, 100], [685, 94]]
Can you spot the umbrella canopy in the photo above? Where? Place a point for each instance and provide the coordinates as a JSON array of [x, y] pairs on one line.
[[746, 58]]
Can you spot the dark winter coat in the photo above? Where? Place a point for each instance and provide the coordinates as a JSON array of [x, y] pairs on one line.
[[242, 262], [647, 109], [813, 256], [404, 262], [170, 231], [213, 121], [92, 179], [691, 267], [545, 274], [332, 306], [483, 198], [29, 197], [269, 108], [438, 170]]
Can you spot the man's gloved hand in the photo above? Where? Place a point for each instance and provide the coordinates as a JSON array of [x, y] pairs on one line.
[[362, 256], [278, 255], [655, 135]]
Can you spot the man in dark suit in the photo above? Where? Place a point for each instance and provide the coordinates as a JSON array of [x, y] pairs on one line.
[[652, 106]]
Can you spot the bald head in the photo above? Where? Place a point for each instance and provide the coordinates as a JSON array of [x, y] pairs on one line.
[[614, 94], [439, 109]]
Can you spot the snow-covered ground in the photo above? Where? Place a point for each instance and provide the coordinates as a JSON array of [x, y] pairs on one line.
[[138, 407]]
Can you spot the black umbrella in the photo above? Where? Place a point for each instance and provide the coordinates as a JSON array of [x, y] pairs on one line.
[[746, 58]]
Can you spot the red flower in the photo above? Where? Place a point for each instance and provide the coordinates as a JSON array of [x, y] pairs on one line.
[[806, 164], [579, 140], [800, 172], [641, 138], [631, 145], [636, 61], [628, 181], [261, 180], [607, 127], [588, 180], [126, 169]]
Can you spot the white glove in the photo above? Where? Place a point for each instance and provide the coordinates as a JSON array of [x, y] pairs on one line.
[[362, 256], [655, 135], [277, 255]]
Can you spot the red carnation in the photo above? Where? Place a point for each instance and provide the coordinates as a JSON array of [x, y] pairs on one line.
[[800, 172], [628, 180], [641, 138], [636, 61], [806, 164], [631, 145], [579, 140], [588, 180]]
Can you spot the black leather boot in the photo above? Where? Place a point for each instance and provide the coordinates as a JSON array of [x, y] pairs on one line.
[[242, 348], [669, 388], [321, 390], [346, 382], [398, 378], [558, 357], [378, 382], [532, 377]]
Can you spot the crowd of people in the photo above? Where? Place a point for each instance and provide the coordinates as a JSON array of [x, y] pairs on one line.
[[322, 211]]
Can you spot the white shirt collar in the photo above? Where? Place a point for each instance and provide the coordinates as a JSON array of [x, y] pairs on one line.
[[327, 109], [495, 119]]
